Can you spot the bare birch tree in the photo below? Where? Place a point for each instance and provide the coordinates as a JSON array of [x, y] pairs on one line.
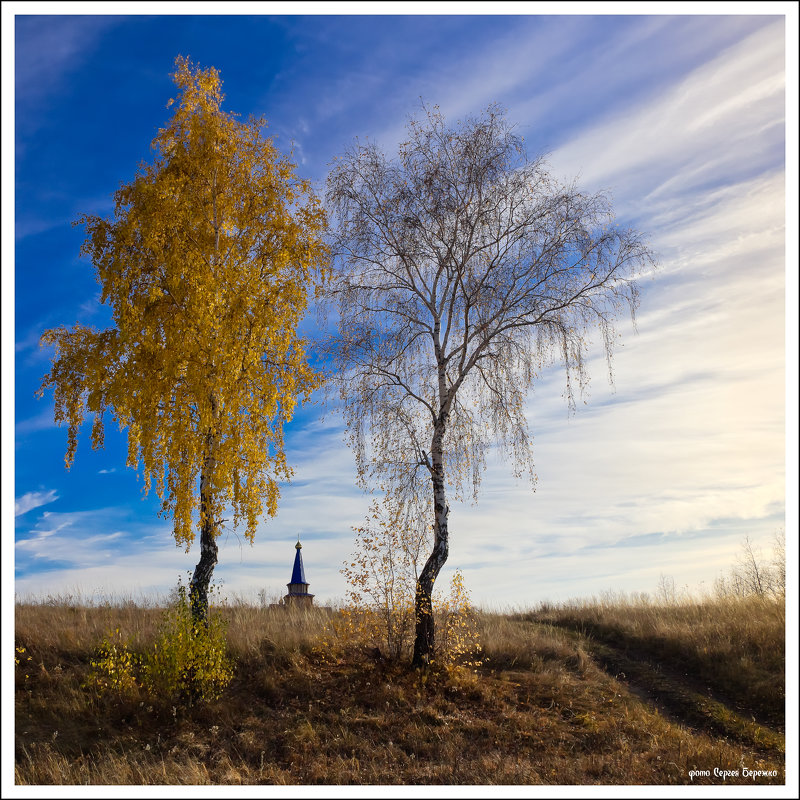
[[464, 269]]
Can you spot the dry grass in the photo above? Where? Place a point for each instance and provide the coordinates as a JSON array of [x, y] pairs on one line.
[[541, 710], [731, 648]]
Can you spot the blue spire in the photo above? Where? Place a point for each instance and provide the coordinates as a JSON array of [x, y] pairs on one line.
[[298, 573]]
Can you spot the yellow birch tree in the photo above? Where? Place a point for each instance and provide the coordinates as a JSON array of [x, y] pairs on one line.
[[207, 266]]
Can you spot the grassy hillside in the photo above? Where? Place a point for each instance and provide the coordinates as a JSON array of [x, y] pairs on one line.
[[581, 694]]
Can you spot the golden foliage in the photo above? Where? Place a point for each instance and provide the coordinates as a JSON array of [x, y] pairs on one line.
[[206, 266], [21, 660], [459, 639], [189, 660], [114, 667]]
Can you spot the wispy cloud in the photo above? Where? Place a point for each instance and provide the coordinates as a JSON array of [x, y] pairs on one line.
[[694, 560], [682, 118], [722, 123], [31, 500], [47, 50], [39, 422], [29, 341], [83, 539]]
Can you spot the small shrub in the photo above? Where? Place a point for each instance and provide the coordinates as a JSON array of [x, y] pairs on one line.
[[380, 615], [365, 627], [458, 638], [189, 661], [753, 575], [381, 576], [114, 668]]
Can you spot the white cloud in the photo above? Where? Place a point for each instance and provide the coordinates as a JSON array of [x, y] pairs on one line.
[[31, 500], [517, 580]]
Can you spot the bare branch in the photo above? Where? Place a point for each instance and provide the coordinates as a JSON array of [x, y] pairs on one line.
[[463, 270]]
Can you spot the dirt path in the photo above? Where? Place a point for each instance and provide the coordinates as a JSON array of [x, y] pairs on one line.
[[678, 697]]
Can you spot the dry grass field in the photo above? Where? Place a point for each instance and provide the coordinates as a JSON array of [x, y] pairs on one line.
[[592, 693]]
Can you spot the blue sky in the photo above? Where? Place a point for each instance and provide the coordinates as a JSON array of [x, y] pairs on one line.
[[681, 118]]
